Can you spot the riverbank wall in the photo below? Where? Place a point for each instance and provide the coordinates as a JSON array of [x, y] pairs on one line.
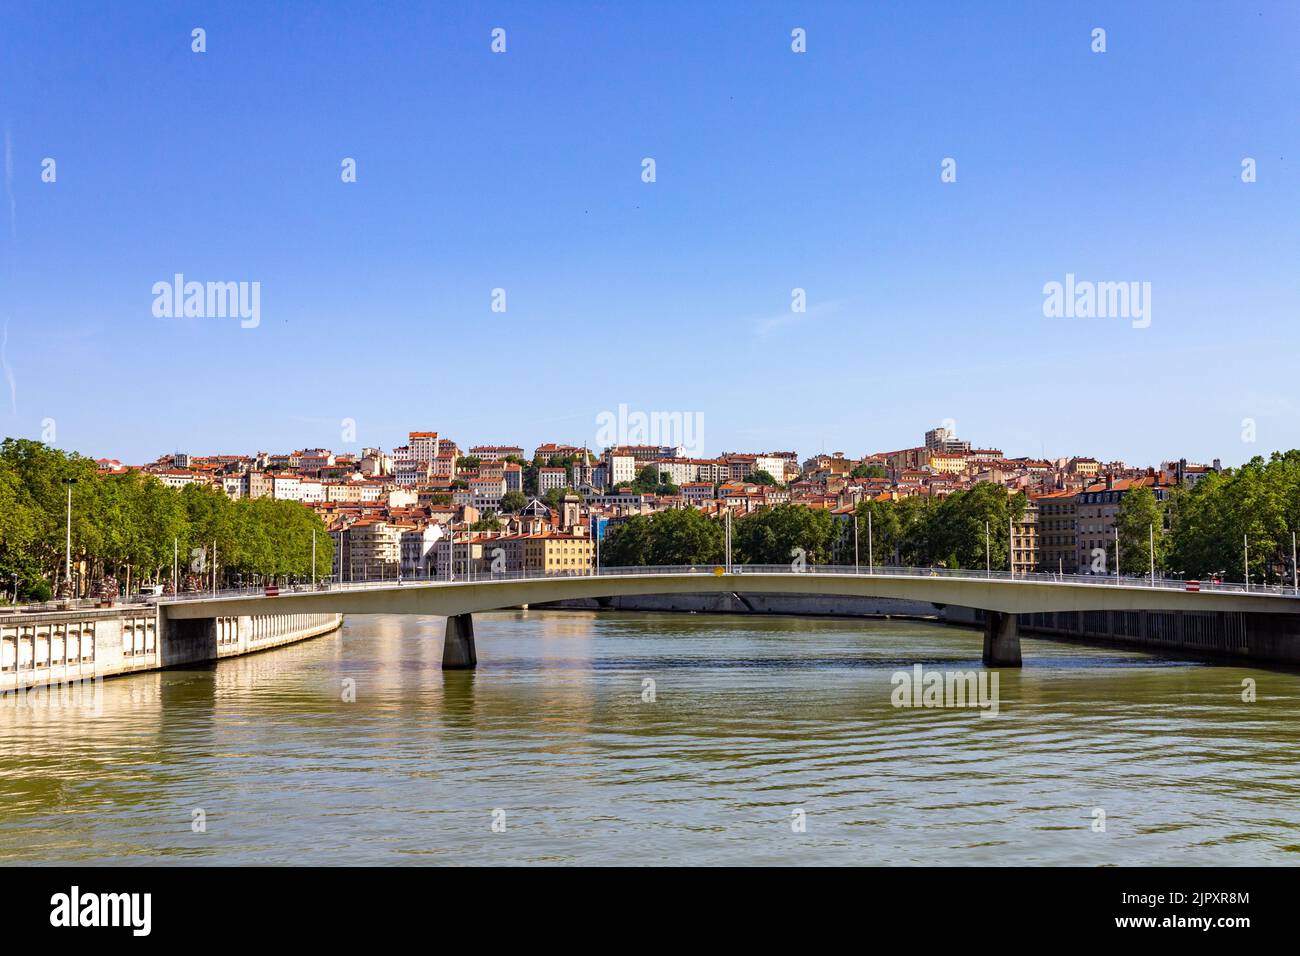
[[54, 647], [1261, 638]]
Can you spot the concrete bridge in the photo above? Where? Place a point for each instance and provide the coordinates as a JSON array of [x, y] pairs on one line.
[[1001, 596]]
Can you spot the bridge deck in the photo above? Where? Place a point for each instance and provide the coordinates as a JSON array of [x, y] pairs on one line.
[[990, 592]]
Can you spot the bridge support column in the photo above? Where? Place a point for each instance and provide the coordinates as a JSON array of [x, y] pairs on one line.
[[1001, 640], [458, 644]]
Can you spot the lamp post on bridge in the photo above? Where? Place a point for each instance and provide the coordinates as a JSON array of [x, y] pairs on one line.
[[1245, 545], [988, 560], [1151, 535], [855, 541], [871, 557], [728, 520], [1011, 545], [67, 567], [1117, 554]]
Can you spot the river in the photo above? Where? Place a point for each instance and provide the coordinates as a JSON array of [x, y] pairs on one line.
[[769, 740]]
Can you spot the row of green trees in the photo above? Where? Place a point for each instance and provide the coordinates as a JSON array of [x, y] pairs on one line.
[[948, 532], [1206, 529], [1211, 522], [127, 526], [1198, 531]]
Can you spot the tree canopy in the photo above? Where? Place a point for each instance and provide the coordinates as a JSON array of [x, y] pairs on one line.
[[128, 524]]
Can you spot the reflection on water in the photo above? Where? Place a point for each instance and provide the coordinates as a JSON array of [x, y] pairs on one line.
[[357, 748]]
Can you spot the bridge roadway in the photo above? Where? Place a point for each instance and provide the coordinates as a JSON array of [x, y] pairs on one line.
[[1000, 595]]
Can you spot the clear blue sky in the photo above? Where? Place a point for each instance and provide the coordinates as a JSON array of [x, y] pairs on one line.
[[775, 170]]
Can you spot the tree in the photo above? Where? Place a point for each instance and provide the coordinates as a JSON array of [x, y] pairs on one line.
[[650, 482], [948, 532], [1258, 503], [19, 524], [513, 502], [867, 471], [676, 536], [762, 477], [956, 527], [1139, 515], [488, 522], [124, 526], [771, 535]]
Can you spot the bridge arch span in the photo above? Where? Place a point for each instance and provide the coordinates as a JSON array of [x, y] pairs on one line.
[[1002, 597]]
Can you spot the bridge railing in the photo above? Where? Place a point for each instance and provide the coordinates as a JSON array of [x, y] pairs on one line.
[[739, 571]]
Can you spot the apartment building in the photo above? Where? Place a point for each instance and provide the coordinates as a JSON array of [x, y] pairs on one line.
[[417, 550], [945, 441], [681, 471], [553, 552], [1084, 467], [697, 492], [311, 461], [178, 478], [487, 491], [409, 471], [619, 468], [1096, 506], [1025, 540], [549, 479], [374, 463], [423, 446], [1056, 531], [514, 477], [551, 451], [374, 548], [908, 459], [947, 463], [359, 492], [496, 452]]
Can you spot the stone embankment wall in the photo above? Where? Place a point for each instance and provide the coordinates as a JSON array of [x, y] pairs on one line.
[[61, 646], [1262, 638]]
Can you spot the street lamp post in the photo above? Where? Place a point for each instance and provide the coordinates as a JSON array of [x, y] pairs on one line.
[[1116, 554], [1245, 545], [855, 542], [871, 556], [67, 566], [728, 519], [988, 559], [1295, 571], [1151, 535]]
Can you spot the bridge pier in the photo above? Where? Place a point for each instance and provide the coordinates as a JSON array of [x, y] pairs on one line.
[[1001, 640], [458, 652]]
